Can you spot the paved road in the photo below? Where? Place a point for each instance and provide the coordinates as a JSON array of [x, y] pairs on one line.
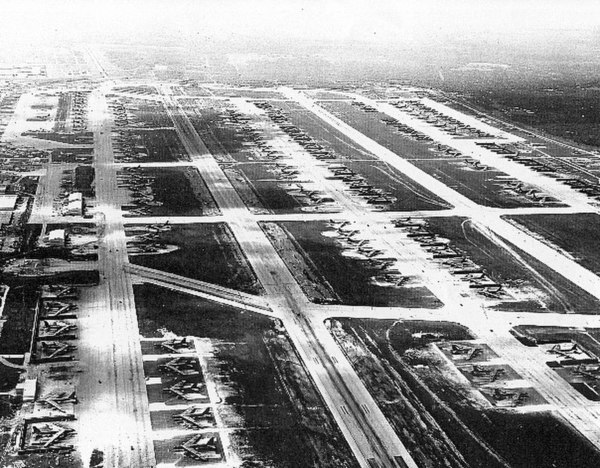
[[48, 190], [113, 414], [210, 291], [368, 432], [116, 364], [469, 311], [468, 147]]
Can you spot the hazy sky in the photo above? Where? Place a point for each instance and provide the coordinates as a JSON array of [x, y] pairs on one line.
[[399, 21]]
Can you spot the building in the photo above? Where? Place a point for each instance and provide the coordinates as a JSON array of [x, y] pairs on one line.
[[27, 390], [56, 238], [7, 202], [74, 205], [7, 205]]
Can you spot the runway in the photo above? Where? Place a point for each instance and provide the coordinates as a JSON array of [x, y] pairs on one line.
[[114, 414], [112, 355], [492, 327], [367, 431]]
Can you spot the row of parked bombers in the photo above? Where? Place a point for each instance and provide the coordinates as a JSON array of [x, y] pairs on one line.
[[183, 382], [302, 138], [406, 130], [140, 188], [21, 159], [251, 135], [400, 127], [129, 146], [282, 171], [364, 106], [355, 182], [51, 430], [418, 230], [79, 103], [121, 116], [447, 124], [359, 185], [561, 174]]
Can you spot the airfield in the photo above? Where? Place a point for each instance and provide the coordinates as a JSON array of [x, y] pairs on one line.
[[361, 277]]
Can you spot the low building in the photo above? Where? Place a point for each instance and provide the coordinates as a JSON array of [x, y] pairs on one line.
[[73, 205], [7, 202], [75, 196], [56, 238], [27, 390]]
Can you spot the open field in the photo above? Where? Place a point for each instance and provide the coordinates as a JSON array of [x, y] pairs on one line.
[[578, 300], [571, 114], [9, 377], [206, 252], [19, 313], [576, 234]]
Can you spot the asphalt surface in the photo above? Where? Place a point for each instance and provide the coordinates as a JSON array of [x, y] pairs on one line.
[[367, 431], [113, 415], [116, 363], [492, 327]]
